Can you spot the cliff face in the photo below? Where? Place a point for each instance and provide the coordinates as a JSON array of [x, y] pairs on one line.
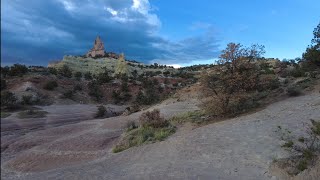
[[97, 50]]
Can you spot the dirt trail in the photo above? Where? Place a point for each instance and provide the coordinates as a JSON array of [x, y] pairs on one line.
[[240, 148], [34, 150]]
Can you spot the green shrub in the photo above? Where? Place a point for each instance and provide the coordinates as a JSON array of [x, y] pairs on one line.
[[294, 91], [274, 84], [166, 73], [301, 139], [297, 72], [5, 71], [315, 128], [152, 119], [32, 114], [103, 77], [26, 100], [50, 85], [143, 135], [94, 90], [87, 76], [8, 99], [269, 82], [152, 128], [191, 116], [140, 98], [304, 83], [312, 54], [288, 144], [229, 85], [65, 71], [126, 97], [308, 154], [3, 84], [124, 87], [68, 94], [101, 111], [123, 77], [242, 104], [17, 70], [53, 71], [77, 87], [116, 96], [268, 71], [163, 133], [78, 75], [149, 97], [135, 74], [303, 165], [261, 95]]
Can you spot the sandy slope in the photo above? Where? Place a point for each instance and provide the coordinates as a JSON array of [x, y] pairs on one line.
[[240, 148]]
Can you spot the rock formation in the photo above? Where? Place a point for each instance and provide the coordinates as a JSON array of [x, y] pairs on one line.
[[97, 50]]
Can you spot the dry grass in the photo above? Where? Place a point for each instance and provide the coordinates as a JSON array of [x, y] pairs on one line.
[[196, 117], [152, 128]]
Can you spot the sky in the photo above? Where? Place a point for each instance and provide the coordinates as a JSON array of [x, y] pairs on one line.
[[172, 32]]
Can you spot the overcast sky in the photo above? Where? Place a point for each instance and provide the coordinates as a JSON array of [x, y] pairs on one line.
[[180, 32]]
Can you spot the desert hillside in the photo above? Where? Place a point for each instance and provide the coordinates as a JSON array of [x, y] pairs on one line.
[[101, 116], [243, 147]]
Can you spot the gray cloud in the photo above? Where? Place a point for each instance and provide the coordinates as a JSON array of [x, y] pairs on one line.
[[37, 31]]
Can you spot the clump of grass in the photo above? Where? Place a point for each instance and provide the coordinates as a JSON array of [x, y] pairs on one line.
[[131, 125], [162, 133], [288, 144], [152, 128], [32, 114], [143, 135], [301, 139], [315, 129], [302, 165], [191, 116]]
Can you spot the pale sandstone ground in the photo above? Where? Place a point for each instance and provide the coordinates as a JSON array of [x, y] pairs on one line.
[[240, 148]]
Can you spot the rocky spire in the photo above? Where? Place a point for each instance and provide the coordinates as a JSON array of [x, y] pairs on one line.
[[98, 49]]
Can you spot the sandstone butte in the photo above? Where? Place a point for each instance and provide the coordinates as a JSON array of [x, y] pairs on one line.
[[98, 49]]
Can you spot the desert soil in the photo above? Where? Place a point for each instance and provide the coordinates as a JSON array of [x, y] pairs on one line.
[[240, 148]]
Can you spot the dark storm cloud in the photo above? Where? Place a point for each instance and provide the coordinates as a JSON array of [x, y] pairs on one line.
[[37, 31]]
